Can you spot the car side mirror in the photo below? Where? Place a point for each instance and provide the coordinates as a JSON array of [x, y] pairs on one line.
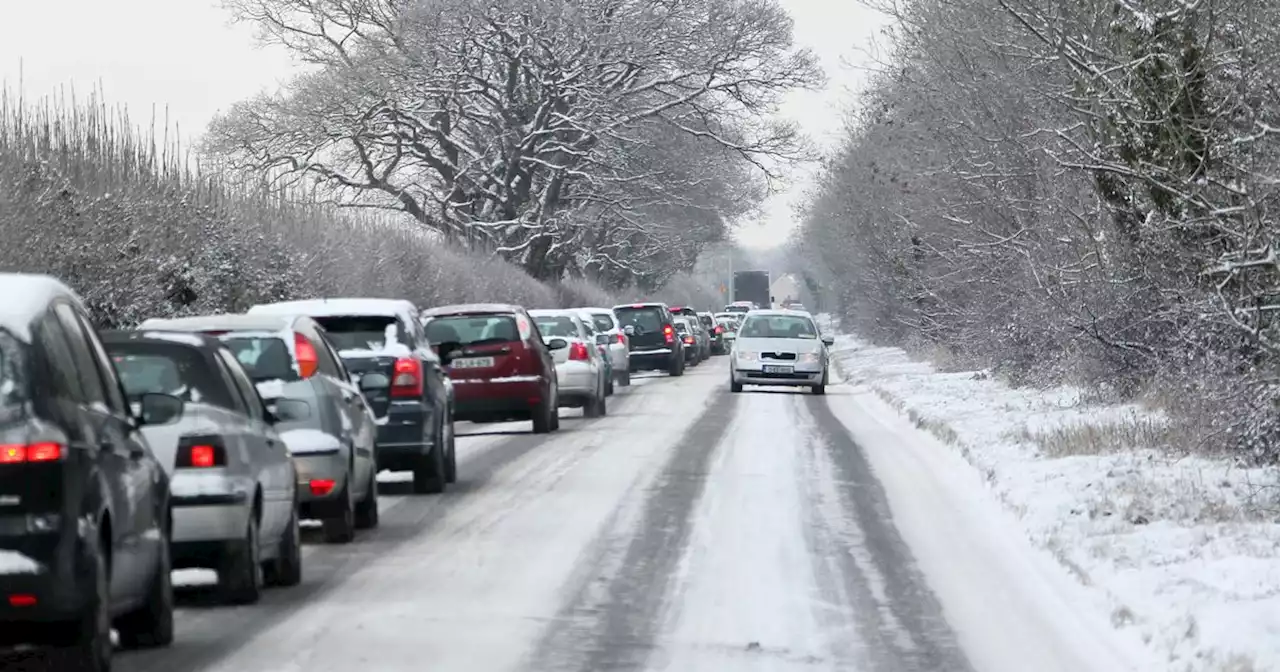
[[159, 409], [602, 339], [829, 340], [557, 344], [373, 381], [289, 410]]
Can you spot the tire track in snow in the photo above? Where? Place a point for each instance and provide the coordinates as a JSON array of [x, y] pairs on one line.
[[862, 556], [613, 623]]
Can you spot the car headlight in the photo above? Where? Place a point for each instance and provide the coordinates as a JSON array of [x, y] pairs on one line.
[[810, 358], [747, 356]]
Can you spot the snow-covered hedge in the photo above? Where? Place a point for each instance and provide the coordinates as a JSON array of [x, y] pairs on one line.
[[124, 220]]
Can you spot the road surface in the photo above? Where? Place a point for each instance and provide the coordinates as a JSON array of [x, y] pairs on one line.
[[690, 529]]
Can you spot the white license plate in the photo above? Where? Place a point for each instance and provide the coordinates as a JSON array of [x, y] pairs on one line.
[[471, 363], [778, 369]]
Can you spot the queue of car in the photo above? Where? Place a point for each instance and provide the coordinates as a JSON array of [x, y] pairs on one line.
[[204, 441]]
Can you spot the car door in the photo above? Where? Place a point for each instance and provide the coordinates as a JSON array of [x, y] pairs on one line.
[[433, 372], [269, 460], [133, 476]]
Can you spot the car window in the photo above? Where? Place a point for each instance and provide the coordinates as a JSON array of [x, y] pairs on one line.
[[681, 327], [170, 368], [63, 381], [473, 329], [556, 326], [706, 320], [263, 357], [243, 384], [363, 332], [778, 326], [343, 373], [327, 360], [91, 385], [13, 373], [241, 403], [602, 321], [646, 319], [111, 383]]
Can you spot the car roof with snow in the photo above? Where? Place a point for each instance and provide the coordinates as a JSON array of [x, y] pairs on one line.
[[224, 321], [640, 304], [779, 312], [159, 336], [26, 296], [471, 309], [339, 307]]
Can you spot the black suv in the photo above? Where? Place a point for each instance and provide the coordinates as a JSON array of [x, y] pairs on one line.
[[84, 505], [654, 343]]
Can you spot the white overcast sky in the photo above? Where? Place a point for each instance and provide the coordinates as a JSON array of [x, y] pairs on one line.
[[184, 55]]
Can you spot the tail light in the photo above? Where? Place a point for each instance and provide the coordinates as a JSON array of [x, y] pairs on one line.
[[201, 452], [578, 352], [622, 338], [688, 340], [321, 486], [305, 352], [407, 381], [669, 332], [719, 329], [26, 453]]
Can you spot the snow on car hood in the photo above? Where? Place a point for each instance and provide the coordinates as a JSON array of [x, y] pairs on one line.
[[13, 562], [303, 441], [163, 439], [748, 344]]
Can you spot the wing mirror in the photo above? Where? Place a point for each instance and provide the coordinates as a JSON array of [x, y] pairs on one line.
[[372, 382], [155, 408], [557, 344], [288, 410], [602, 339], [829, 340]]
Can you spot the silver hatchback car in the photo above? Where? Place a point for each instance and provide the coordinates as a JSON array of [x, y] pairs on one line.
[[233, 486], [288, 357], [779, 347]]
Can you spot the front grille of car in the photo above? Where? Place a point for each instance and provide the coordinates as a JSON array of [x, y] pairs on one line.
[[778, 355]]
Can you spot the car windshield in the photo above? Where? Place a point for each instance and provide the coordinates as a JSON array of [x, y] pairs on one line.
[[643, 320], [778, 326], [173, 369], [602, 321], [263, 357], [473, 329], [556, 326], [364, 332]]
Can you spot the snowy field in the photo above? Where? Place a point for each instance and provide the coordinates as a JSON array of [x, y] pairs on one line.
[[1181, 554]]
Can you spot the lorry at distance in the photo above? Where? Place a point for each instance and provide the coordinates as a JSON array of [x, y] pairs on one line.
[[752, 286]]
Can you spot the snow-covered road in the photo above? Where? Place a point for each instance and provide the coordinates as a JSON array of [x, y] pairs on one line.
[[691, 529]]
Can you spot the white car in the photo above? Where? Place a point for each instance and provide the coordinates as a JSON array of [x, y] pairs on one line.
[[580, 371], [779, 347], [606, 322]]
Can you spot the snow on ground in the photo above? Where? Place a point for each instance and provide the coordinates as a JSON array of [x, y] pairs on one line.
[[1177, 552]]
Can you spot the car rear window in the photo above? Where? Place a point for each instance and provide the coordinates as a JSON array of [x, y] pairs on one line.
[[778, 326], [168, 369], [603, 322], [706, 320], [13, 373], [648, 318], [363, 332], [263, 357], [473, 329], [556, 326], [681, 327]]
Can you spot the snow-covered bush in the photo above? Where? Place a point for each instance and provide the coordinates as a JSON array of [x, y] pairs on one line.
[[121, 217]]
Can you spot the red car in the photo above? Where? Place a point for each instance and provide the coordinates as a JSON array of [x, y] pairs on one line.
[[499, 365]]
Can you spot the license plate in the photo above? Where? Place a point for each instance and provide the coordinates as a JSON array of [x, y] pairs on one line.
[[778, 369], [471, 363]]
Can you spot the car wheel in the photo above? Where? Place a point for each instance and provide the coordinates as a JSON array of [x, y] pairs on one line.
[[677, 366], [367, 509], [542, 416], [151, 625], [735, 386], [341, 528], [625, 378], [240, 578], [451, 459], [286, 569], [555, 418], [428, 476], [608, 386], [90, 650]]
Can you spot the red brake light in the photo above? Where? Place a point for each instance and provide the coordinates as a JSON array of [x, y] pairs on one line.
[[622, 338], [669, 332], [578, 352], [321, 486], [305, 353], [22, 600], [719, 329], [408, 378], [18, 453], [202, 452]]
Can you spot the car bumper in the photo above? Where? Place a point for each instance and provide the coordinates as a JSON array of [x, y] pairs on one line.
[[405, 435], [59, 585], [619, 356], [651, 359], [801, 376], [576, 379], [209, 505], [498, 398], [329, 467]]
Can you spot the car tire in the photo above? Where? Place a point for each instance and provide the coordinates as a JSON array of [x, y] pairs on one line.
[[676, 368], [542, 416], [151, 625], [451, 457], [341, 529], [90, 648], [555, 418], [286, 569], [367, 509], [735, 386], [240, 578], [625, 378], [608, 386]]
